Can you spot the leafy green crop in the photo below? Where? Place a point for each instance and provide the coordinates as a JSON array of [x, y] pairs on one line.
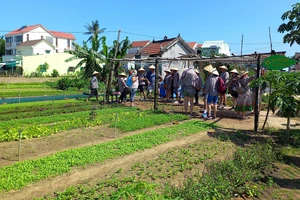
[[21, 174]]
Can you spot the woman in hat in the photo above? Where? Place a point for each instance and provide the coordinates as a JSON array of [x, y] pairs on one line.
[[198, 88], [225, 77], [142, 83], [175, 83], [232, 86], [133, 83], [168, 84], [234, 78], [207, 70], [244, 100], [122, 87], [94, 86]]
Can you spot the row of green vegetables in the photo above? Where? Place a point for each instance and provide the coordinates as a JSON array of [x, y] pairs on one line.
[[6, 93], [45, 112], [21, 174], [125, 119], [36, 106], [164, 168]]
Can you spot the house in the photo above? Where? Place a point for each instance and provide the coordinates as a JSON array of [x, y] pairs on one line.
[[193, 45], [134, 49], [60, 41], [167, 48], [211, 48], [35, 47]]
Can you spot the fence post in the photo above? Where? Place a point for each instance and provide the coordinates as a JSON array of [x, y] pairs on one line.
[[19, 146], [19, 96], [116, 119]]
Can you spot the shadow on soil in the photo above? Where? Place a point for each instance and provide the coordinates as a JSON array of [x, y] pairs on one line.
[[287, 183]]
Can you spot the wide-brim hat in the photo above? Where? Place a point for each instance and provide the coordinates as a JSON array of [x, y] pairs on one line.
[[215, 71], [234, 71], [152, 67], [167, 70], [122, 74], [196, 70], [223, 67], [95, 72], [174, 69], [243, 73], [141, 69], [208, 68]]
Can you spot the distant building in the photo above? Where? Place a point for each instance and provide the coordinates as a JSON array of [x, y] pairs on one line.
[[211, 48], [39, 37]]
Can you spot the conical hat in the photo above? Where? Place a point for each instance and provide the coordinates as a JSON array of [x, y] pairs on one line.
[[95, 72], [234, 71], [208, 68], [215, 71], [122, 74], [141, 69], [243, 73], [152, 67], [223, 67], [196, 70]]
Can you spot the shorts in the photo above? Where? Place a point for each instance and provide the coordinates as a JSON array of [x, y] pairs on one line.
[[189, 91], [212, 99], [94, 92], [235, 95], [142, 88]]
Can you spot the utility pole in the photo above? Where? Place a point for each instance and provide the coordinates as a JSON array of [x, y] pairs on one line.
[[112, 69], [270, 39], [156, 86], [256, 106], [242, 44]]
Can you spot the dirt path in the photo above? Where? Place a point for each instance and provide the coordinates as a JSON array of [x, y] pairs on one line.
[[20, 79], [97, 171]]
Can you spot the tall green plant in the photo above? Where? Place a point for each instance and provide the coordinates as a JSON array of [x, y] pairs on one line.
[[285, 93]]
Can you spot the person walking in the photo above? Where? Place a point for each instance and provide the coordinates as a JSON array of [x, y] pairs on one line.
[[225, 77], [94, 86], [244, 100], [189, 83], [211, 88], [234, 74], [122, 87], [142, 83]]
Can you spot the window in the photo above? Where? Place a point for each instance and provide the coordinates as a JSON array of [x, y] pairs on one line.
[[8, 52], [19, 39], [68, 43], [47, 51], [27, 37], [56, 42], [42, 37], [71, 69], [56, 51]]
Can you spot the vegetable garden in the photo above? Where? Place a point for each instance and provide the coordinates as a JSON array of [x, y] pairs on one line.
[[128, 153]]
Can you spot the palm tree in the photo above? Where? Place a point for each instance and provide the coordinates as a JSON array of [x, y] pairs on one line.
[[94, 31], [91, 58]]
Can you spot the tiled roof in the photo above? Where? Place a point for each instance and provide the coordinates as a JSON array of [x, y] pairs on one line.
[[192, 44], [155, 47], [29, 43], [23, 30], [199, 45], [62, 35], [139, 43]]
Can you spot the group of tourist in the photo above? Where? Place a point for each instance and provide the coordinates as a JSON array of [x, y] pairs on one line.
[[189, 85]]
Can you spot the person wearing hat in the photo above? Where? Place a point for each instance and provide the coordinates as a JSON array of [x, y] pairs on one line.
[[198, 88], [151, 81], [207, 70], [94, 86], [244, 100], [225, 77], [234, 77], [122, 87], [132, 83], [188, 82], [142, 83], [168, 84], [175, 83], [211, 88]]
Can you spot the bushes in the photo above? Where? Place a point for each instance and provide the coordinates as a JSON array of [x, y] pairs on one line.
[[54, 73]]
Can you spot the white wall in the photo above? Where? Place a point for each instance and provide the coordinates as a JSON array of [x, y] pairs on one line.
[[36, 34], [55, 61], [25, 50], [41, 48]]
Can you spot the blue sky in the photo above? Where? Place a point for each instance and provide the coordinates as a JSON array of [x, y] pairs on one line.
[[195, 20]]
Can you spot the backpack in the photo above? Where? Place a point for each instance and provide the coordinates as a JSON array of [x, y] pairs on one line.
[[221, 85], [129, 81], [239, 87]]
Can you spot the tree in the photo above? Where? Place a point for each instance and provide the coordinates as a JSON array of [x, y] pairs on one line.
[[94, 31], [292, 27], [2, 47], [284, 94], [90, 57], [109, 53]]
